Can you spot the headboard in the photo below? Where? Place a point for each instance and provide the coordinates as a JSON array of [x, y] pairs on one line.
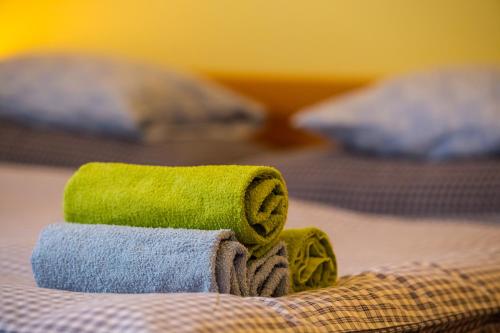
[[285, 96]]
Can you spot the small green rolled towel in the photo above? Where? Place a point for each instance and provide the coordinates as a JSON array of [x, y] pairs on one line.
[[311, 258], [252, 201]]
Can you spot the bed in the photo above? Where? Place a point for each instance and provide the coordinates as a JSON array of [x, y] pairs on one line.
[[417, 242], [396, 275]]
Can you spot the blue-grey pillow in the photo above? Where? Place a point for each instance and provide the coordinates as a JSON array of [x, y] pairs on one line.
[[447, 113], [107, 96]]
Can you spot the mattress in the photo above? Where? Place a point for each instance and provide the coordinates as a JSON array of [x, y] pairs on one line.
[[460, 188], [396, 275], [58, 148]]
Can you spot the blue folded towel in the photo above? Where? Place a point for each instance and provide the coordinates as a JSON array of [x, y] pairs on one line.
[[120, 259], [269, 276]]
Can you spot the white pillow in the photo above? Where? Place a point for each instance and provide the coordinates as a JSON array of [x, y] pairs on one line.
[[453, 112], [114, 97]]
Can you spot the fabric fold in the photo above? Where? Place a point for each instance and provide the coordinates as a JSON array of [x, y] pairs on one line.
[[311, 258], [120, 259], [269, 276], [250, 200]]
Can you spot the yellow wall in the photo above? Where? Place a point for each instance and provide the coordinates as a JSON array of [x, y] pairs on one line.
[[292, 37]]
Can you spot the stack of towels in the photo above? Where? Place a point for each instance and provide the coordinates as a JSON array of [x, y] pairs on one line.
[[152, 229]]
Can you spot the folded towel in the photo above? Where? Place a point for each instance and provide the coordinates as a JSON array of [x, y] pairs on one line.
[[117, 259], [250, 200], [311, 258], [269, 276]]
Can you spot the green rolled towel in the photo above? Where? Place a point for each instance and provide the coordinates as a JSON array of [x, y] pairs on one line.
[[250, 200], [311, 258]]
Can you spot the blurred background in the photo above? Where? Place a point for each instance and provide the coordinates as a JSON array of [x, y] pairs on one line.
[[352, 90], [356, 39]]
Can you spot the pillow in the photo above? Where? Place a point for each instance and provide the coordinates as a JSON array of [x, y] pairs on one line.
[[99, 95], [447, 113]]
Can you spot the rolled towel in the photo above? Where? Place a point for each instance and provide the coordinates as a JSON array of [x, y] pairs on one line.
[[311, 258], [250, 200], [118, 259], [269, 276]]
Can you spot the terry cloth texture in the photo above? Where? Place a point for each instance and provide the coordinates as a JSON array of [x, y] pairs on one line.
[[311, 258], [269, 276], [118, 259], [252, 201]]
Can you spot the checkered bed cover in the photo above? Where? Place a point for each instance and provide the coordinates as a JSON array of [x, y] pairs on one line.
[[455, 294], [397, 275], [404, 187], [424, 296], [58, 148]]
